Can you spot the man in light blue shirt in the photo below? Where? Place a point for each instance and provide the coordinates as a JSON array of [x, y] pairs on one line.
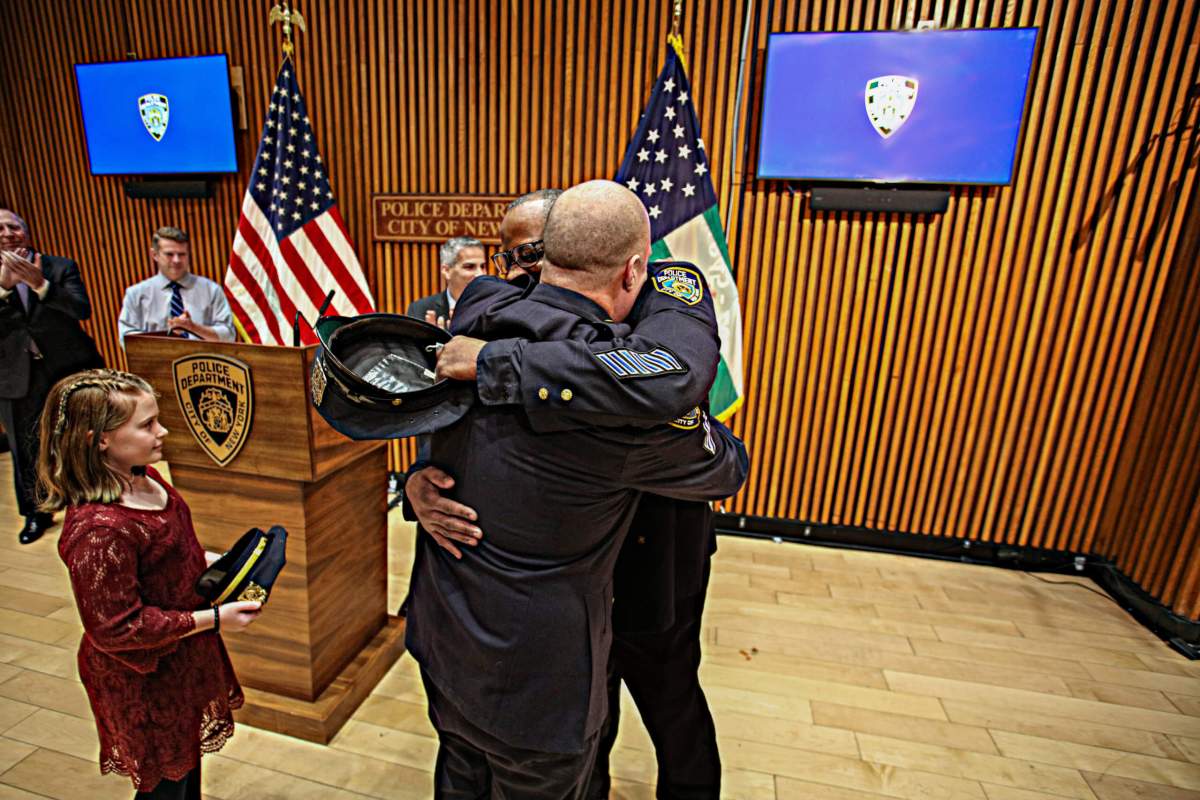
[[175, 301]]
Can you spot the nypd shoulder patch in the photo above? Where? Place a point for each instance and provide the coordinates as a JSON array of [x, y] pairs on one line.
[[682, 283], [624, 363]]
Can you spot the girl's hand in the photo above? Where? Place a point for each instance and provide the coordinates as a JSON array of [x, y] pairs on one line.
[[238, 615]]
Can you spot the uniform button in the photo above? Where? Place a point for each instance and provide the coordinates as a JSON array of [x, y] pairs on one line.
[[566, 395], [641, 540], [543, 393]]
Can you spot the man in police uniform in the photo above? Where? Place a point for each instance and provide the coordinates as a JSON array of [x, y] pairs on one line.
[[662, 572], [512, 640]]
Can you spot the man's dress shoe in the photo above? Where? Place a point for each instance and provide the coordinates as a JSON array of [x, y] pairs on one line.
[[35, 526]]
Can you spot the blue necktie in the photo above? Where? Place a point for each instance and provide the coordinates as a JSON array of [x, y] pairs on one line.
[[177, 307]]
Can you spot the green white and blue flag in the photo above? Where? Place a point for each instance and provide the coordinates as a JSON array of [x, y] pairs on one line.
[[667, 167]]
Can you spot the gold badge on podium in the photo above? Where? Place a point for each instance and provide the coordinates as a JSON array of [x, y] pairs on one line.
[[217, 399]]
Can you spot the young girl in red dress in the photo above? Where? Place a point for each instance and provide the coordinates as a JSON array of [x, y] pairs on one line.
[[160, 683]]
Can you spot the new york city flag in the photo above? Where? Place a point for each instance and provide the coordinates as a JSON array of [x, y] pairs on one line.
[[666, 166]]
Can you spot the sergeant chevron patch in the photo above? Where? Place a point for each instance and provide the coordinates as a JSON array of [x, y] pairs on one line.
[[624, 363]]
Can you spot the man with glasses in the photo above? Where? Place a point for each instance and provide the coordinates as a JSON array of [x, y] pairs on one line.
[[462, 261], [521, 235], [518, 262], [661, 575]]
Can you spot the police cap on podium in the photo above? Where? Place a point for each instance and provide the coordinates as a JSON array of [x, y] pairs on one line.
[[373, 377]]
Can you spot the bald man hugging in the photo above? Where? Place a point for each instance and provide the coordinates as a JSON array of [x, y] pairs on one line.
[[513, 637]]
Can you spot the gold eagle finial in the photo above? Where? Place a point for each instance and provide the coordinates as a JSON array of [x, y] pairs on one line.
[[288, 17]]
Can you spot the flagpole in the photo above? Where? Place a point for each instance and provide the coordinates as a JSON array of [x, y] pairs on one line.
[[676, 188], [734, 155], [674, 38], [290, 235]]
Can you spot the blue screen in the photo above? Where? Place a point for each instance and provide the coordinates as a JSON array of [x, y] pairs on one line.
[[948, 109], [190, 131]]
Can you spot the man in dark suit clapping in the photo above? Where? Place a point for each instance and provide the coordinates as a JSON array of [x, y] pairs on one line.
[[42, 302], [462, 260]]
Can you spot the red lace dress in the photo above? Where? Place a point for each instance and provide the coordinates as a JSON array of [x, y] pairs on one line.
[[159, 699]]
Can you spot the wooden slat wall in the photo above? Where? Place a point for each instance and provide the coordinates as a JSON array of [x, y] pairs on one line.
[[975, 373], [1150, 523], [971, 374]]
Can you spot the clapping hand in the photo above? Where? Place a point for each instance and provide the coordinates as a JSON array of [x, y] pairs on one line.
[[15, 268], [432, 318], [182, 322]]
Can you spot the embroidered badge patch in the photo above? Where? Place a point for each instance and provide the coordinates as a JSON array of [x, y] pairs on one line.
[[688, 421], [625, 363], [681, 283]]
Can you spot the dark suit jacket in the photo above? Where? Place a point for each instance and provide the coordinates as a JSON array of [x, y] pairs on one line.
[[52, 323], [439, 303], [517, 634]]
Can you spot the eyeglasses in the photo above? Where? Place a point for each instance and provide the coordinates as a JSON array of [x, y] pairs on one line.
[[526, 256]]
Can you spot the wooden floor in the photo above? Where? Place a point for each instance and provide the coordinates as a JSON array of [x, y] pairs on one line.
[[832, 675]]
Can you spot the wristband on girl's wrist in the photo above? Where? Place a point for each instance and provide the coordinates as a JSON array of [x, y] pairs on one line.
[[216, 620]]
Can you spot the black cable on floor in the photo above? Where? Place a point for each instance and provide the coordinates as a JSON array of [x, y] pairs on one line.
[[1105, 595]]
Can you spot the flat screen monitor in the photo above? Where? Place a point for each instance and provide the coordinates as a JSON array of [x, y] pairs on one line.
[[895, 106], [160, 116]]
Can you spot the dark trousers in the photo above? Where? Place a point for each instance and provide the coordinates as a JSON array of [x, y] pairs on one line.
[[661, 672], [473, 765], [20, 418], [186, 788]]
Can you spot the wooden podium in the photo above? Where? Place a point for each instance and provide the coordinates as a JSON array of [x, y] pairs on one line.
[[247, 449]]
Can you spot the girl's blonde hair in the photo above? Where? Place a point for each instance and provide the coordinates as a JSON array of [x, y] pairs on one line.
[[80, 407]]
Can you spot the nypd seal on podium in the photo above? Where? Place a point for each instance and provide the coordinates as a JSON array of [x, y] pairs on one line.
[[217, 399]]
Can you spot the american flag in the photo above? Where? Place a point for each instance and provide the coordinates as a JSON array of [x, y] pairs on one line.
[[291, 248], [667, 167]]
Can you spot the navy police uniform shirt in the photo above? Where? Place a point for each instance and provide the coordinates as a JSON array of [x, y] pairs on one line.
[[670, 541], [516, 635], [656, 366]]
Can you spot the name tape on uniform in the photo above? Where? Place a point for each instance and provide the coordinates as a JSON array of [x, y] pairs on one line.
[[625, 363]]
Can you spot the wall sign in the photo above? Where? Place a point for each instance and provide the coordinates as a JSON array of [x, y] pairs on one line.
[[437, 217]]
